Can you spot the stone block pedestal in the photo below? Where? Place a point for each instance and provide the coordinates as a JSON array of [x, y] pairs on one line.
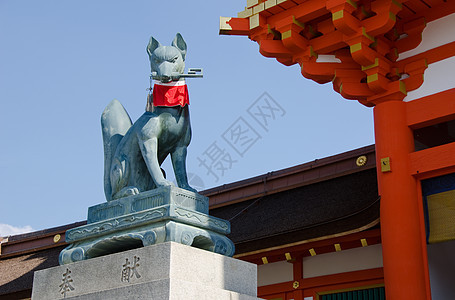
[[162, 271], [167, 214]]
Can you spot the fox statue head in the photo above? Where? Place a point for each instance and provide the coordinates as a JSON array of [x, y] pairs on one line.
[[167, 61]]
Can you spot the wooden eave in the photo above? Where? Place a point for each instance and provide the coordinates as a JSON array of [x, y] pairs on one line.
[[297, 251], [290, 178], [35, 241], [355, 44]]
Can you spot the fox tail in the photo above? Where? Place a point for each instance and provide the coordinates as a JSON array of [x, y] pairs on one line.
[[115, 123]]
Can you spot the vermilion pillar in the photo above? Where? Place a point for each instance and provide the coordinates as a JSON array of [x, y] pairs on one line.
[[401, 231], [375, 52]]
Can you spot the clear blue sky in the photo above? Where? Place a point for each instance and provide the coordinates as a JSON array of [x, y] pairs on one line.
[[62, 62]]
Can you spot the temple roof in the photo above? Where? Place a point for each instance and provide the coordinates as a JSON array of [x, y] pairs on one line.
[[335, 207], [334, 197], [362, 46]]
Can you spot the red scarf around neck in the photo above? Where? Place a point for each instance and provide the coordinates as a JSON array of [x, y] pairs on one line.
[[170, 94]]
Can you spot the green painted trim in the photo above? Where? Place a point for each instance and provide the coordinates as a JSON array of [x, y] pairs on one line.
[[322, 295]]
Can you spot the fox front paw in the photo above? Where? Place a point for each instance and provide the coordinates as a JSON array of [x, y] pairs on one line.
[[126, 191], [189, 188], [164, 183]]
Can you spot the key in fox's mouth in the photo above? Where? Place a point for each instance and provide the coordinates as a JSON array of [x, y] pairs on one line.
[[192, 73], [166, 79]]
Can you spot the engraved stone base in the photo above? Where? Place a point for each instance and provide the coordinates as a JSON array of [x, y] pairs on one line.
[[143, 201], [157, 216], [163, 271]]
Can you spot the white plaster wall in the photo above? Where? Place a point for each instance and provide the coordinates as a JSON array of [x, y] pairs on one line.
[[343, 261], [277, 272], [437, 33], [441, 262], [440, 75]]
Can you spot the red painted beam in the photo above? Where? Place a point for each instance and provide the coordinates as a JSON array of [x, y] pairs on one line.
[[234, 26]]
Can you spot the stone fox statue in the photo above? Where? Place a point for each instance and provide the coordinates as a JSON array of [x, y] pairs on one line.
[[133, 153]]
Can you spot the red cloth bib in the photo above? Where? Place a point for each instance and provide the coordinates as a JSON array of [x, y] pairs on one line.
[[170, 94]]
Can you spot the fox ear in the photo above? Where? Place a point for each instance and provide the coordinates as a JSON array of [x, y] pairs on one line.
[[180, 44], [153, 44]]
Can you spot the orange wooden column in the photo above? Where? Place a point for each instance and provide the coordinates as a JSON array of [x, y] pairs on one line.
[[405, 271], [364, 48]]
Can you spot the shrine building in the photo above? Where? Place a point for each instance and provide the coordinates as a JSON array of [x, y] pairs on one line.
[[396, 56]]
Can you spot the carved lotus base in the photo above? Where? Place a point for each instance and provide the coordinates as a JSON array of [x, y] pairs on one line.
[[168, 222]]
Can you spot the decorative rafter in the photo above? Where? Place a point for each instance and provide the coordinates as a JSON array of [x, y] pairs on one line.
[[355, 44]]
